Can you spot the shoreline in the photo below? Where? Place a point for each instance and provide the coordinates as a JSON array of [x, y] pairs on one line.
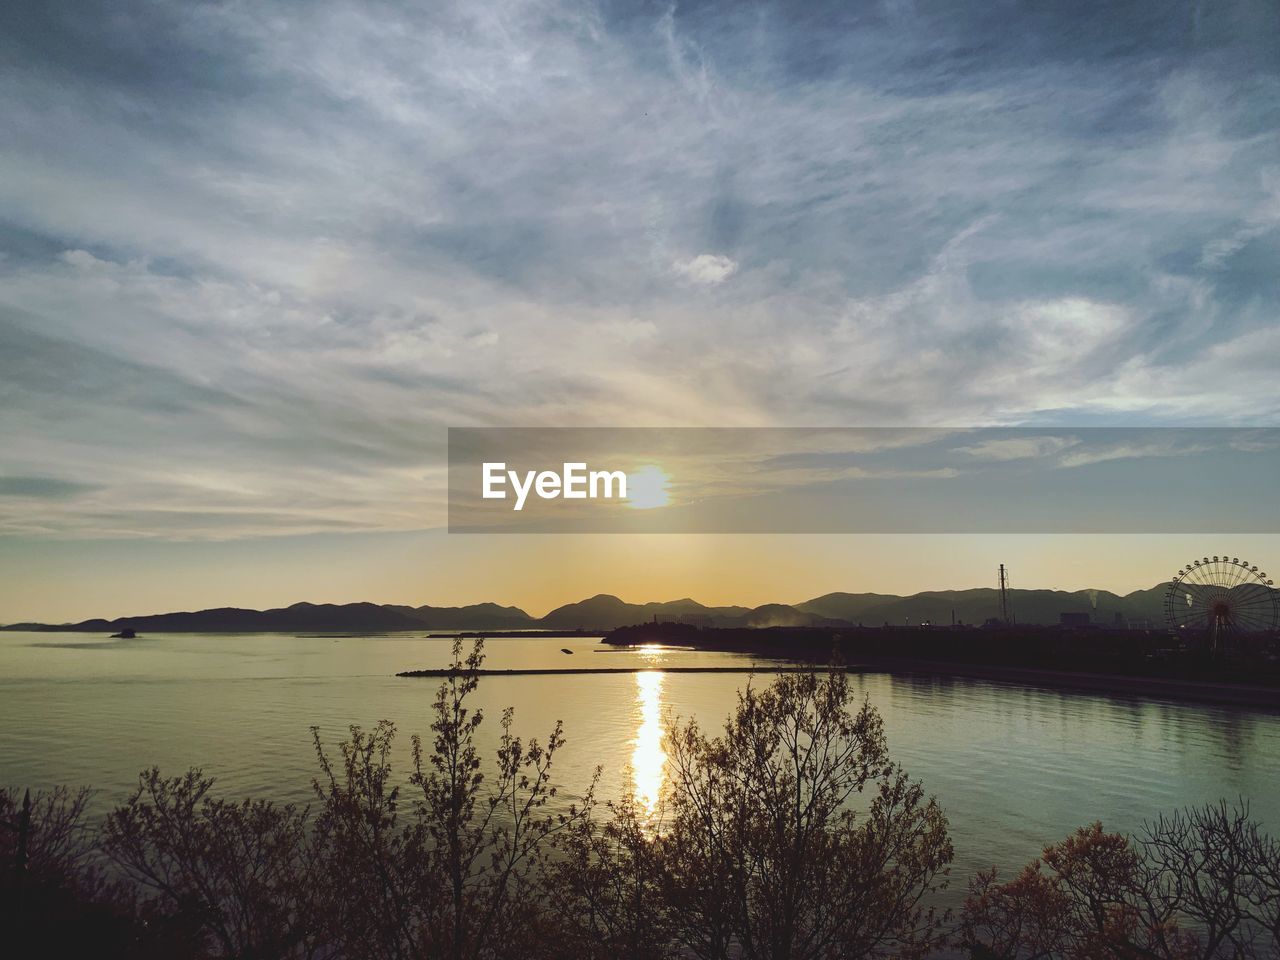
[[1125, 663], [1150, 688]]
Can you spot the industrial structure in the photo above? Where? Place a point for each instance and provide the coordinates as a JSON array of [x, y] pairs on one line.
[[1006, 609]]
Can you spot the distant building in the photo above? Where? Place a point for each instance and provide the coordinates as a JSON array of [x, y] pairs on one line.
[[1074, 619]]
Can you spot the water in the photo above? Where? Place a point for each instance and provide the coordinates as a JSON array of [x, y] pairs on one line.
[[1015, 767]]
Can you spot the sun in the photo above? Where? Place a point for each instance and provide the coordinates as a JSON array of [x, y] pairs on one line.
[[647, 487]]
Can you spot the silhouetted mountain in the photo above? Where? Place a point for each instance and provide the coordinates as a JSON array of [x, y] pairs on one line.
[[606, 612], [298, 617], [784, 615], [975, 606], [845, 606], [477, 616]]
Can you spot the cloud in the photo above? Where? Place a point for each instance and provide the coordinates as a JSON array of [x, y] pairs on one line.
[[42, 488], [628, 331], [287, 249], [1131, 451], [82, 259], [708, 268], [1018, 448], [484, 338]]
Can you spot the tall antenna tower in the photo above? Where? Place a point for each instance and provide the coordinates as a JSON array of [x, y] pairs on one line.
[[1006, 611]]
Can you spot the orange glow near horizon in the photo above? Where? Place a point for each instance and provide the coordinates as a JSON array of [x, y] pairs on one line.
[[57, 582]]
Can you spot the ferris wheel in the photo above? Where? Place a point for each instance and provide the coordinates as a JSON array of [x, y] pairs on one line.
[[1221, 597]]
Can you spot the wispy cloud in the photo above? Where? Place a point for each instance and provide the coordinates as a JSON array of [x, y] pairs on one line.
[[42, 488], [257, 257], [1132, 451], [707, 268], [1017, 448]]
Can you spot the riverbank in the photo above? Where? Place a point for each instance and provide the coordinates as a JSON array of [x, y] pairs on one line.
[[1127, 663], [1198, 691]]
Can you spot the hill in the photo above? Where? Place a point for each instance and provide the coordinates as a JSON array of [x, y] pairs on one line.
[[306, 617], [606, 612], [975, 606], [477, 616]]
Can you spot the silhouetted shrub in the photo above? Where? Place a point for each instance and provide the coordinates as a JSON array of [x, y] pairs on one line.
[[54, 901], [1202, 883], [789, 835], [452, 867], [607, 896], [769, 854], [234, 876]]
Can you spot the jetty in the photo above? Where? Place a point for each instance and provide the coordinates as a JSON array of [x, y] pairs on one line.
[[639, 668]]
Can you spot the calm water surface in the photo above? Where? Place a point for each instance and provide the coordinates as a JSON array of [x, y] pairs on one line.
[[1015, 767]]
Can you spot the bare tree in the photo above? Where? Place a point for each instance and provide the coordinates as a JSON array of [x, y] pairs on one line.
[[371, 889], [457, 877], [235, 873], [1196, 885], [55, 898], [769, 856], [1078, 900], [1212, 867], [57, 844], [605, 894], [489, 841]]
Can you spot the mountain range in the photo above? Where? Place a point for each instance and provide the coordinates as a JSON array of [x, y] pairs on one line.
[[606, 612]]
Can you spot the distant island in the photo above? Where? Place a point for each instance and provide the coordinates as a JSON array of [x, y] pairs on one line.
[[602, 613]]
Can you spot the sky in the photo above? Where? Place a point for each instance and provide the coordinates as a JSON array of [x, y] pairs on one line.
[[256, 258]]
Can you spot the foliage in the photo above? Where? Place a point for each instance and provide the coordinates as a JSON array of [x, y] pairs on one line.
[[788, 834], [54, 899], [769, 855], [1202, 883], [235, 875], [606, 894], [456, 876]]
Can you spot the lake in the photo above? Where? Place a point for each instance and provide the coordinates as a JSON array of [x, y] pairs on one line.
[[1015, 767]]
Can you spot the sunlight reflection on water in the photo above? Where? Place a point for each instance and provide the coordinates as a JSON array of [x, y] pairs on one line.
[[1014, 766], [648, 761]]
